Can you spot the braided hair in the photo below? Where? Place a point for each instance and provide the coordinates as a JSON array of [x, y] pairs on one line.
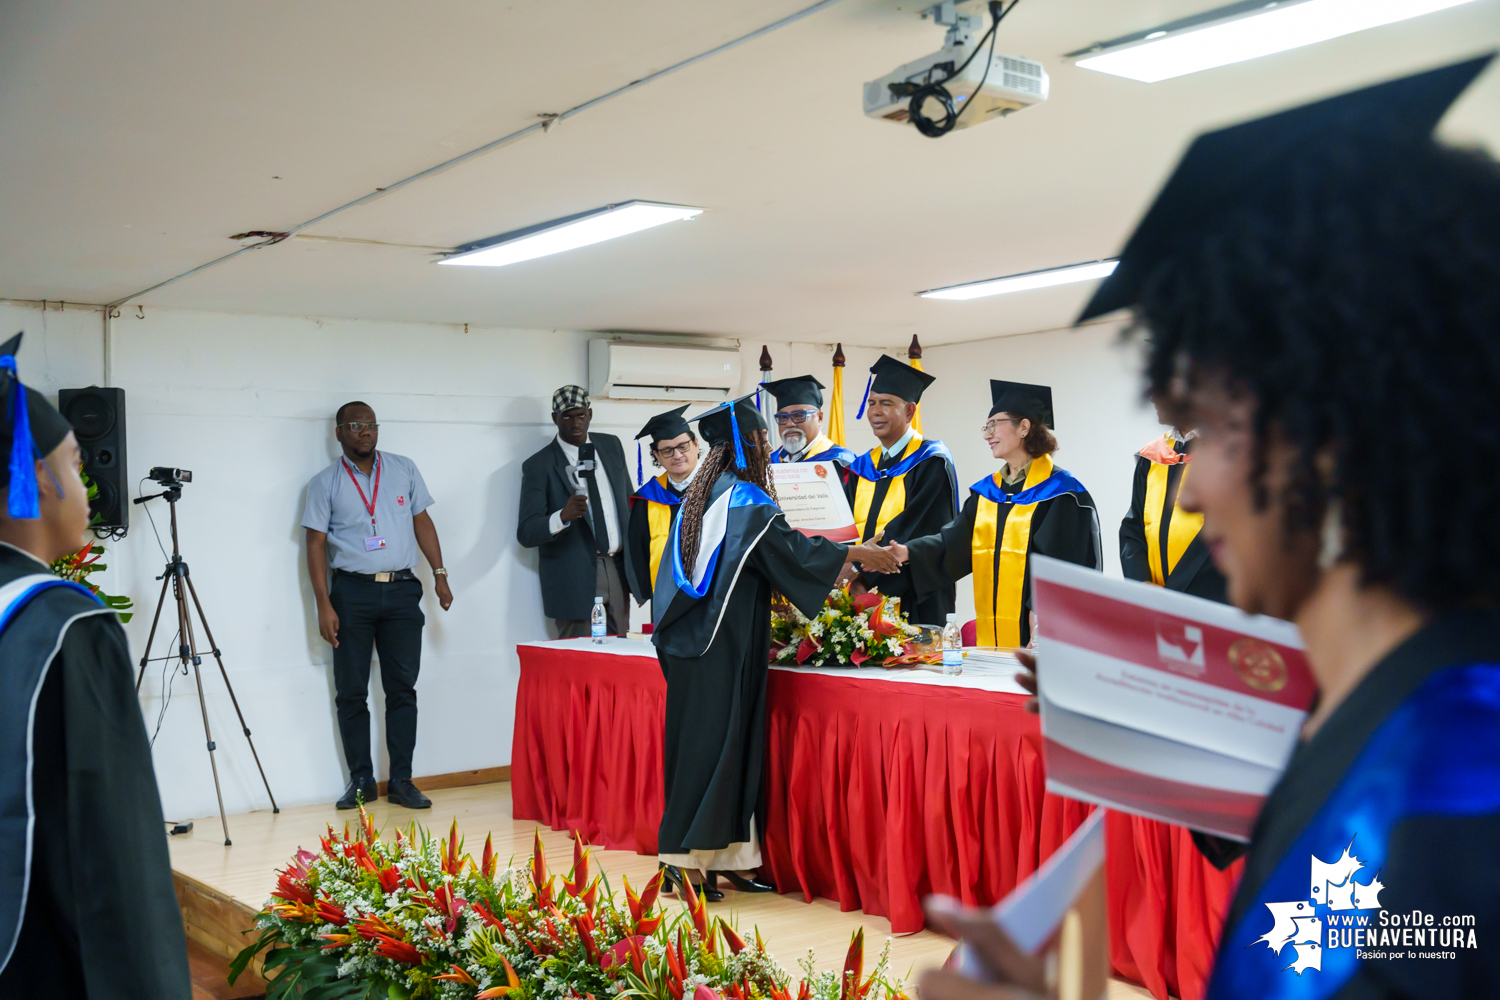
[[1356, 301], [718, 461]]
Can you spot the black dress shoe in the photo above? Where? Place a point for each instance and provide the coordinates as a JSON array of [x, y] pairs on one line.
[[746, 884], [672, 876], [401, 792], [360, 790]]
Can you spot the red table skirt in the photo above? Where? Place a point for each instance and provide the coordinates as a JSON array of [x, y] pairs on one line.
[[876, 794]]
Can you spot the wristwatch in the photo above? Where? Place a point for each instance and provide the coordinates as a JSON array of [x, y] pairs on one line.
[[440, 571]]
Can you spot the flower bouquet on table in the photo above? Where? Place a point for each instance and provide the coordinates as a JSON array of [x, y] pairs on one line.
[[418, 919], [860, 629]]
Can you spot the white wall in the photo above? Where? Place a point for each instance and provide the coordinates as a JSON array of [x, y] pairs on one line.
[[1096, 396], [247, 403]]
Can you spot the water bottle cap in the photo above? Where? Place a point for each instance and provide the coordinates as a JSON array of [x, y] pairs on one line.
[[598, 600], [952, 617]]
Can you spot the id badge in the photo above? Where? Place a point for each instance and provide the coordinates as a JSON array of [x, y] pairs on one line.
[[374, 542]]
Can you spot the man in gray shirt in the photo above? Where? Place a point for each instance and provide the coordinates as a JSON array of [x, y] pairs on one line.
[[366, 517]]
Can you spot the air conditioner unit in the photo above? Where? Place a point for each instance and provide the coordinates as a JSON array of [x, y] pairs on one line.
[[623, 370]]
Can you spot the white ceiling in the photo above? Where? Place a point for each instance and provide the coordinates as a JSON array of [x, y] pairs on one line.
[[136, 137]]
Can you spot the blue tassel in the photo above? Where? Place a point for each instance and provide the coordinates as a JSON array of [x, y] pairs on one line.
[[23, 501], [640, 467], [865, 398], [734, 428]]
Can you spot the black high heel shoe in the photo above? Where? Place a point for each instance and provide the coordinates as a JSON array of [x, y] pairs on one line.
[[672, 877], [743, 884]]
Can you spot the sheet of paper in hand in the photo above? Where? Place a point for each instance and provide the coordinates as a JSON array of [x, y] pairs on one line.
[[1161, 704], [812, 498]]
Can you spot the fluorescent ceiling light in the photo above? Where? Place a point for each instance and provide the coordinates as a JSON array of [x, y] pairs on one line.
[[568, 233], [1244, 31], [1025, 282]]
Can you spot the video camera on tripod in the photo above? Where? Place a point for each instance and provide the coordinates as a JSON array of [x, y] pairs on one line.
[[176, 576]]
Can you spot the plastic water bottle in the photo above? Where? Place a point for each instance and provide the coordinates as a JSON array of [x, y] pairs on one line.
[[953, 648], [597, 620]]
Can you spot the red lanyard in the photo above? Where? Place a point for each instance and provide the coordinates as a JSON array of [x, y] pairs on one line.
[[370, 503]]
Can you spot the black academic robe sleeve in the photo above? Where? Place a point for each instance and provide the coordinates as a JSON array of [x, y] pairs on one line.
[[101, 897], [803, 569], [929, 505], [638, 550], [1135, 560]]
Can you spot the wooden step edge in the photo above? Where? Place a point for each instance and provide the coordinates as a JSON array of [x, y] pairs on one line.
[[217, 921]]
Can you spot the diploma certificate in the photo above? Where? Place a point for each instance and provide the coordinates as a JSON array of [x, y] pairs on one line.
[[812, 498]]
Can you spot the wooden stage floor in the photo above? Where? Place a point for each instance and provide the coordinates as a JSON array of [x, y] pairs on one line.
[[263, 842]]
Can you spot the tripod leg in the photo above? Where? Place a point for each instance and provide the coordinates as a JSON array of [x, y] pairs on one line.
[[189, 653], [166, 580], [208, 632]]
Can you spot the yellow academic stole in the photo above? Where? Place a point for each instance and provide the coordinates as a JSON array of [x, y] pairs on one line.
[[1184, 527], [997, 595], [659, 519], [895, 496]]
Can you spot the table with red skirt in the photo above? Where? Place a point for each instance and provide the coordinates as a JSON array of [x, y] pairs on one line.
[[881, 787]]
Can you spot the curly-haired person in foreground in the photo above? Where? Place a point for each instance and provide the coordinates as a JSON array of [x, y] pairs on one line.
[[729, 550], [1320, 292]]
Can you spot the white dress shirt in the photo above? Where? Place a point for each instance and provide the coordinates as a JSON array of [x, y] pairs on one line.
[[895, 450], [606, 495]]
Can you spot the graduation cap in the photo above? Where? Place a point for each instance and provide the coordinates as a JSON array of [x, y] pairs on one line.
[[662, 427], [35, 428], [1227, 166], [732, 420], [801, 389], [1022, 399], [890, 376]]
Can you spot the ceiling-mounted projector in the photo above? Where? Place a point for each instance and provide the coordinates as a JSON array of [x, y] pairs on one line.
[[960, 85]]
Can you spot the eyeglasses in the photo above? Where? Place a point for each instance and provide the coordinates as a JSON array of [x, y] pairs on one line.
[[990, 425], [662, 451], [795, 417], [357, 427]]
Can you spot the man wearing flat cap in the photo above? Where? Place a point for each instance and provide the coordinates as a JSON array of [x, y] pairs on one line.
[[574, 509], [87, 907], [904, 488]]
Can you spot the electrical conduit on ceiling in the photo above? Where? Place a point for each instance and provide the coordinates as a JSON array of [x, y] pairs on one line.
[[542, 126]]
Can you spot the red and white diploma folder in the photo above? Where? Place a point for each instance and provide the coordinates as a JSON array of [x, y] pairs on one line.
[[1161, 704]]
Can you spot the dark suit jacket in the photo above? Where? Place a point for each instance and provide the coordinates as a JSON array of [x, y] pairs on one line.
[[567, 563]]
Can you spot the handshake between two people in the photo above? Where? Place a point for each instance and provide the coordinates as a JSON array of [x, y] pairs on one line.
[[873, 558]]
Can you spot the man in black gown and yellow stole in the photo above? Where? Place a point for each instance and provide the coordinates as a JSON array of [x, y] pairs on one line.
[[730, 548], [905, 488], [1029, 506], [674, 447], [1159, 541], [87, 907]]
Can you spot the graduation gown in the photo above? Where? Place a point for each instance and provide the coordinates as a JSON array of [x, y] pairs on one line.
[[87, 907], [1160, 543], [994, 537], [652, 508], [713, 639], [1405, 776], [909, 496]]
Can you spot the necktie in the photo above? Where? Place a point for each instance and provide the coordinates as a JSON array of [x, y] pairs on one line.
[[596, 503]]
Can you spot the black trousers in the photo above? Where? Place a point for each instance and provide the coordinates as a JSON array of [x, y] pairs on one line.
[[386, 617]]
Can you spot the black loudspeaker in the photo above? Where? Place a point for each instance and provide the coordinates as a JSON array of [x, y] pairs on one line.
[[98, 419]]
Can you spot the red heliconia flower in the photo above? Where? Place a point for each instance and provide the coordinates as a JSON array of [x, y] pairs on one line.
[[367, 822], [704, 992], [449, 905], [362, 857], [449, 851], [580, 875], [390, 879], [457, 976], [807, 648], [487, 862], [586, 935], [331, 913], [539, 879], [777, 993], [371, 927], [736, 943], [864, 602], [487, 916], [879, 625], [512, 982], [291, 888], [804, 992], [854, 964], [401, 951], [699, 911]]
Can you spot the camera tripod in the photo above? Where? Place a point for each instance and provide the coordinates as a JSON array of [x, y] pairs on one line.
[[177, 577]]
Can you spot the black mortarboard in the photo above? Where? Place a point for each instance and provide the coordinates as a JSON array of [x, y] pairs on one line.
[[1022, 399], [666, 426], [898, 379], [802, 389], [718, 425], [1223, 167], [32, 431]]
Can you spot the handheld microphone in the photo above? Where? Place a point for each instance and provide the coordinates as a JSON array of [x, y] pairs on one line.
[[585, 464]]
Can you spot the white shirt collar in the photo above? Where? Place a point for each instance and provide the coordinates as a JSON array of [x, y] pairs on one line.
[[901, 444], [682, 486], [570, 451]]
